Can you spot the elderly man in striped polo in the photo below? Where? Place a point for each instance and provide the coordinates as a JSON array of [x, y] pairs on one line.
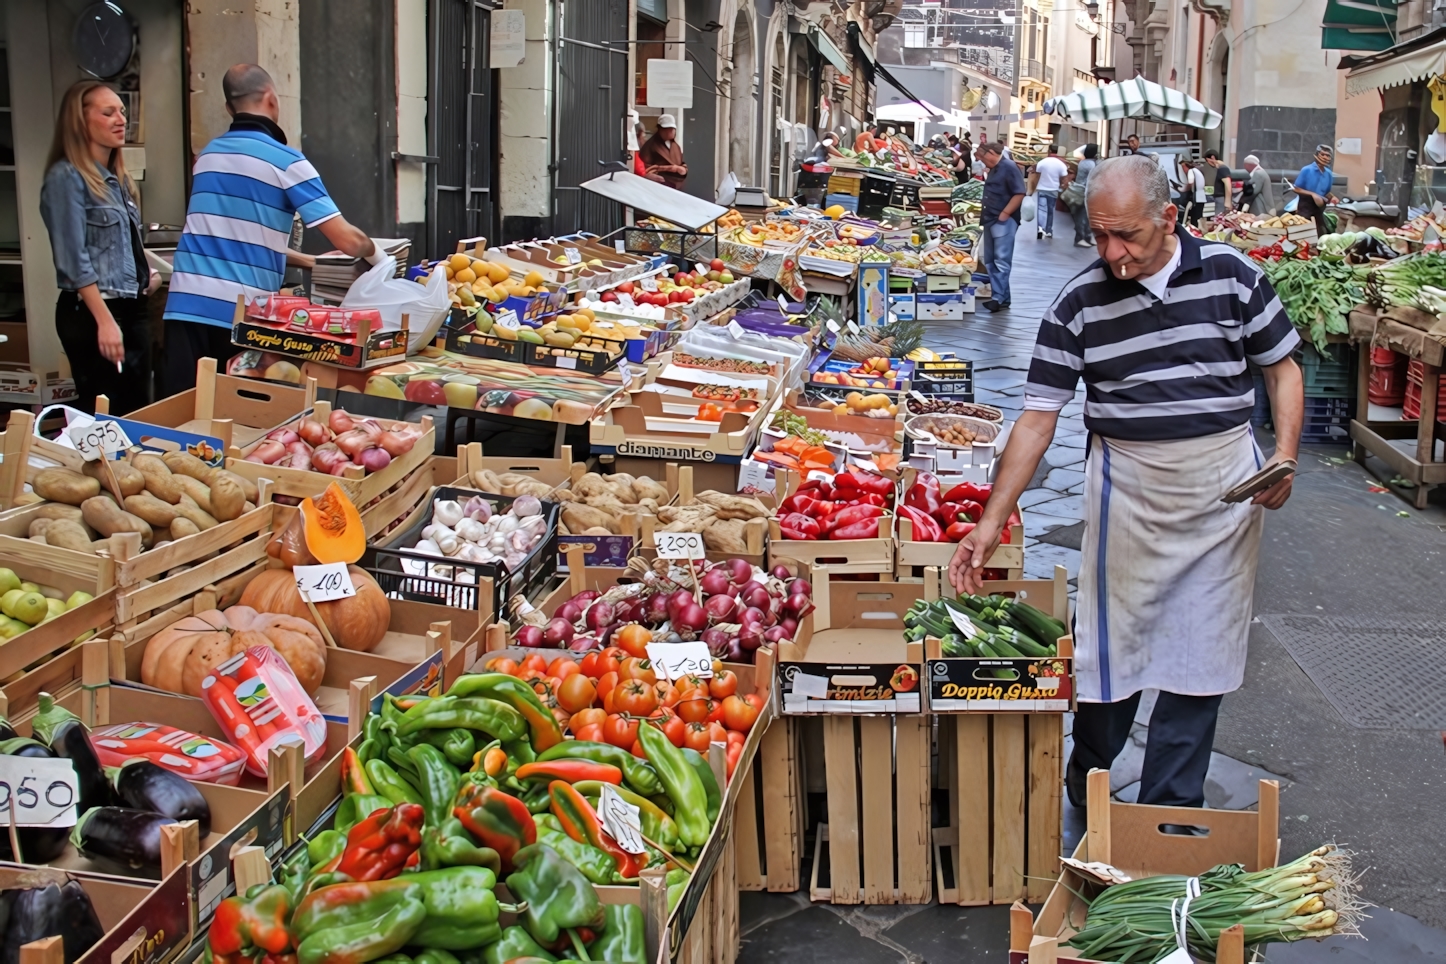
[[1161, 328]]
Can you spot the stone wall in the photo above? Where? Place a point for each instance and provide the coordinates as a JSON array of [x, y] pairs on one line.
[[1284, 138]]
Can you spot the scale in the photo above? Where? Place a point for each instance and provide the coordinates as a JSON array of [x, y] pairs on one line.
[[751, 197]]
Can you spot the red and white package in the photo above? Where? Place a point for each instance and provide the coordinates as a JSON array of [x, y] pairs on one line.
[[259, 703], [194, 757]]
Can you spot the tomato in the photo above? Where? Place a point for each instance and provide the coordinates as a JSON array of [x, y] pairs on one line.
[[576, 693], [638, 750], [715, 715], [739, 714], [546, 688], [733, 737], [689, 684], [616, 653], [620, 731], [674, 729], [735, 753], [638, 669], [754, 700], [598, 665], [605, 685], [592, 732], [694, 710], [501, 664], [633, 638], [588, 717], [697, 737], [535, 660], [530, 673], [562, 667], [723, 684], [635, 697], [667, 695]]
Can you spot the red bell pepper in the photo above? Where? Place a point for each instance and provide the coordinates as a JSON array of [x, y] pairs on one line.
[[851, 514], [968, 492], [866, 529], [924, 493], [822, 509], [863, 482], [869, 498], [380, 846], [958, 530], [925, 528], [798, 522], [952, 512]]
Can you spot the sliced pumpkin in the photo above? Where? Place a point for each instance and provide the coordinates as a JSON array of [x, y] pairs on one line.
[[333, 527]]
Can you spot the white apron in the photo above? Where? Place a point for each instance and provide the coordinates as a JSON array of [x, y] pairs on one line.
[[1167, 570]]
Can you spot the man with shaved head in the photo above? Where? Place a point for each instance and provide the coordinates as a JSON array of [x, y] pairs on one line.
[[248, 184], [1160, 328]]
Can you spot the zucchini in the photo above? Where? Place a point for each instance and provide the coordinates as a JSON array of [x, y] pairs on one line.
[[1025, 645], [1044, 628]]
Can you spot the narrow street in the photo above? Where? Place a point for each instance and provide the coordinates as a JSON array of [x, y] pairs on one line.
[[1363, 765]]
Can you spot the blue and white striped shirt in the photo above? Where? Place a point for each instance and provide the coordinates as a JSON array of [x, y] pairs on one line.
[[246, 187], [1161, 368]]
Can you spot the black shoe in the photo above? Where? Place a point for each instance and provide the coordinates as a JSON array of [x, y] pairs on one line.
[[1038, 235], [992, 305]]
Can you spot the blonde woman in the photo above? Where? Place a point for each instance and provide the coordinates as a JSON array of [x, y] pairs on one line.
[[89, 206]]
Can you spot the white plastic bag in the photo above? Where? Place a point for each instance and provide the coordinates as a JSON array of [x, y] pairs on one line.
[[1026, 208], [425, 306], [728, 189]]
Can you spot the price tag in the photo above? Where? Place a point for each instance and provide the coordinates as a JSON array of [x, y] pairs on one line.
[[676, 660], [620, 246], [853, 328], [44, 791], [810, 686], [649, 284], [625, 299], [621, 819], [701, 269], [753, 476], [507, 319], [783, 304], [96, 439], [832, 326], [324, 583], [573, 255], [735, 329], [963, 622], [565, 361], [679, 545]]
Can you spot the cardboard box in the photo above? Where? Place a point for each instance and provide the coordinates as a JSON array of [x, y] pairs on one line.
[[642, 428], [903, 306], [940, 307], [145, 922], [365, 349]]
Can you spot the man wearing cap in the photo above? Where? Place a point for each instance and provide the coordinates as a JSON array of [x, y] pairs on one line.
[[1313, 184], [663, 156], [1257, 193]]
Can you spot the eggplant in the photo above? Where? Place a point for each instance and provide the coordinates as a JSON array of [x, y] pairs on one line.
[[143, 785], [38, 845], [131, 838], [50, 911], [83, 929], [63, 732], [7, 732]]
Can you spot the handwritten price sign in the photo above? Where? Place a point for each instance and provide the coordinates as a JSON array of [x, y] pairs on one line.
[[620, 819], [324, 583], [96, 440], [676, 660], [679, 545], [42, 791]]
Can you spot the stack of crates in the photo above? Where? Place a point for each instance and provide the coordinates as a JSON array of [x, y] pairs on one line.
[[1330, 388], [1415, 378]]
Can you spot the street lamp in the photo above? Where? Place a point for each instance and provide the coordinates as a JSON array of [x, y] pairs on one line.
[[1093, 10]]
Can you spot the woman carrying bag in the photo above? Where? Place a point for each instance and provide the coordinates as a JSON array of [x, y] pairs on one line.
[[1074, 196], [89, 205]]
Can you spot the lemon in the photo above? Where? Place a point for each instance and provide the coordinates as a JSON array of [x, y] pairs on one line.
[[533, 279], [459, 261]]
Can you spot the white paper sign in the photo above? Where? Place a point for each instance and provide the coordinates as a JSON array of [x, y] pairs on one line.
[[621, 246], [572, 255], [324, 583], [735, 329], [507, 319], [621, 819], [832, 326], [649, 284], [565, 361], [701, 269], [98, 438], [675, 660], [44, 791], [962, 621], [679, 545], [810, 686], [670, 83], [509, 38], [753, 475]]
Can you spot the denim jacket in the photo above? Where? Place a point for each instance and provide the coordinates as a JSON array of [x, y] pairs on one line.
[[91, 238]]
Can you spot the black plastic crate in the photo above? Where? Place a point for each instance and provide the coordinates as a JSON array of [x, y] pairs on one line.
[[464, 339], [593, 360], [1329, 375], [422, 584], [952, 377], [1327, 420]]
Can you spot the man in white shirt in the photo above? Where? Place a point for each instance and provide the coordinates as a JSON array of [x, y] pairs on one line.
[[1053, 176]]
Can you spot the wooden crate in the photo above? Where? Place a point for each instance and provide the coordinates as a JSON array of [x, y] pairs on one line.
[[1005, 777], [679, 482], [771, 816], [239, 411], [911, 558], [826, 556], [554, 472], [878, 837]]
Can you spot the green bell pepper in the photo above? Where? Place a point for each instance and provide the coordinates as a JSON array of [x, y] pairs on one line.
[[543, 728], [595, 865], [462, 911], [390, 784], [682, 783], [515, 943], [450, 845], [457, 744], [638, 774], [354, 923], [558, 896], [622, 936], [436, 782], [493, 717], [700, 766], [677, 881], [435, 955], [326, 846]]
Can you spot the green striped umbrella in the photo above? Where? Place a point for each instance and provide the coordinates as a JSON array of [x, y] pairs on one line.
[[1133, 98]]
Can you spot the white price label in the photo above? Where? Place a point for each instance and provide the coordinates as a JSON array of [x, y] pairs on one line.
[[649, 284], [620, 246], [966, 626], [606, 324], [783, 304], [735, 329], [565, 361], [508, 319], [95, 440], [573, 255], [44, 791], [853, 328], [675, 660], [753, 476], [324, 583], [701, 269], [621, 819], [624, 299], [810, 686], [832, 326], [679, 545]]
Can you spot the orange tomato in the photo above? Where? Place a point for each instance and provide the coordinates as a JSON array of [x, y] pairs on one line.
[[754, 700], [598, 665], [635, 697], [633, 638], [562, 667], [501, 664], [536, 661], [715, 715], [620, 731], [576, 692], [592, 732], [667, 695], [588, 717], [723, 684], [734, 736], [716, 733], [694, 709], [638, 750], [735, 753], [739, 714], [697, 737], [638, 669], [531, 673], [605, 685], [675, 729], [616, 652]]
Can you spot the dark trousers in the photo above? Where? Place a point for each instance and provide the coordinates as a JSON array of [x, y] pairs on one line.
[[1191, 212], [186, 343], [127, 390], [1177, 752]]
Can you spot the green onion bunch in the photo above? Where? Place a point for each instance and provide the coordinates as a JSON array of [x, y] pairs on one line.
[[1398, 282], [1132, 923]]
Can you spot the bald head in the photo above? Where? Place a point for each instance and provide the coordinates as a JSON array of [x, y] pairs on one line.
[[1136, 177], [250, 90]]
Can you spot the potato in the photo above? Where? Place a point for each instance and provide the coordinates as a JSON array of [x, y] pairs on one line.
[[199, 517], [105, 517], [182, 527], [227, 499], [182, 463], [57, 510], [156, 512], [199, 492], [621, 485], [582, 517], [686, 518], [67, 534], [248, 488], [126, 475], [590, 483], [733, 506], [564, 495], [160, 481], [646, 488], [64, 485], [38, 527], [725, 535], [562, 529], [533, 487]]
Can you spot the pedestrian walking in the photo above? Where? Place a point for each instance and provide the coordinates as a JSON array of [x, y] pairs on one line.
[[1257, 196], [1075, 196], [1194, 193], [1222, 187], [663, 155], [247, 184], [1313, 185], [1053, 173], [88, 203], [1000, 219], [1167, 569]]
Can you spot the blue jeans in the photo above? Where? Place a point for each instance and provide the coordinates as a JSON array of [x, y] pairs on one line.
[[1044, 202], [998, 252]]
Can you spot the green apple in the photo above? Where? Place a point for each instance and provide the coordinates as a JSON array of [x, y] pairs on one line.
[[56, 607], [50, 592], [84, 636], [30, 587], [31, 608], [77, 598], [726, 278], [8, 580], [10, 628], [8, 600]]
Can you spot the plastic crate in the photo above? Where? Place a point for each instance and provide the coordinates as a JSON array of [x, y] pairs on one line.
[[419, 577], [1327, 375], [1327, 419], [849, 202]]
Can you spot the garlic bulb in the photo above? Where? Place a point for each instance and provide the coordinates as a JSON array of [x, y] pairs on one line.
[[478, 508], [526, 505], [448, 543], [447, 511], [471, 530], [507, 523]]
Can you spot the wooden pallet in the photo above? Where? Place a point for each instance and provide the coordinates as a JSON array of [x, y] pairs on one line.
[[878, 836], [1005, 777], [769, 822]]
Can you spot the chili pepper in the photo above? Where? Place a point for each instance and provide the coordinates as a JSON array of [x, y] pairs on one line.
[[868, 529], [380, 846], [558, 896], [958, 530], [542, 725], [374, 739], [353, 778], [684, 788], [799, 522], [581, 822], [711, 791], [499, 820], [493, 717], [924, 493], [863, 482], [596, 866], [325, 847], [637, 773], [355, 808], [855, 513], [389, 783], [657, 825], [570, 771], [462, 911], [256, 922], [357, 922], [925, 528], [457, 744], [515, 944], [622, 936]]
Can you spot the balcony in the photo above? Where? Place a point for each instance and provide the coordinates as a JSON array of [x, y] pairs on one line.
[[1034, 70]]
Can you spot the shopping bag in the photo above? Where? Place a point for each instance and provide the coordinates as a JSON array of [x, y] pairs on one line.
[[425, 305], [1026, 209]]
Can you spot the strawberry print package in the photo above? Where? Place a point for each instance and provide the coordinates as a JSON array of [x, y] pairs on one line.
[[259, 703], [197, 758]]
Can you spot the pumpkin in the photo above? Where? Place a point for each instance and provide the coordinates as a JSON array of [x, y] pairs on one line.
[[181, 656], [333, 527], [357, 622]]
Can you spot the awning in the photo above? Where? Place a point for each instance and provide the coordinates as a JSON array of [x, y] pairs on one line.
[[830, 51], [1133, 98], [910, 112], [1358, 25], [1393, 69]]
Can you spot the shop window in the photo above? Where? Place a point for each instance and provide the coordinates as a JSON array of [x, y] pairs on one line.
[[652, 38]]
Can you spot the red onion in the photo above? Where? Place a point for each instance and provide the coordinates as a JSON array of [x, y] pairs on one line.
[[790, 625], [715, 638], [581, 644], [691, 617], [353, 442], [780, 571], [586, 596], [740, 570], [656, 609], [719, 608], [284, 435], [396, 444], [598, 616], [298, 456], [570, 610], [340, 421], [313, 431], [750, 639], [798, 605], [529, 636], [327, 456], [757, 597], [770, 618], [735, 652], [799, 586], [629, 611], [750, 617], [714, 582], [775, 634], [677, 600], [604, 638], [374, 460], [559, 632]]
